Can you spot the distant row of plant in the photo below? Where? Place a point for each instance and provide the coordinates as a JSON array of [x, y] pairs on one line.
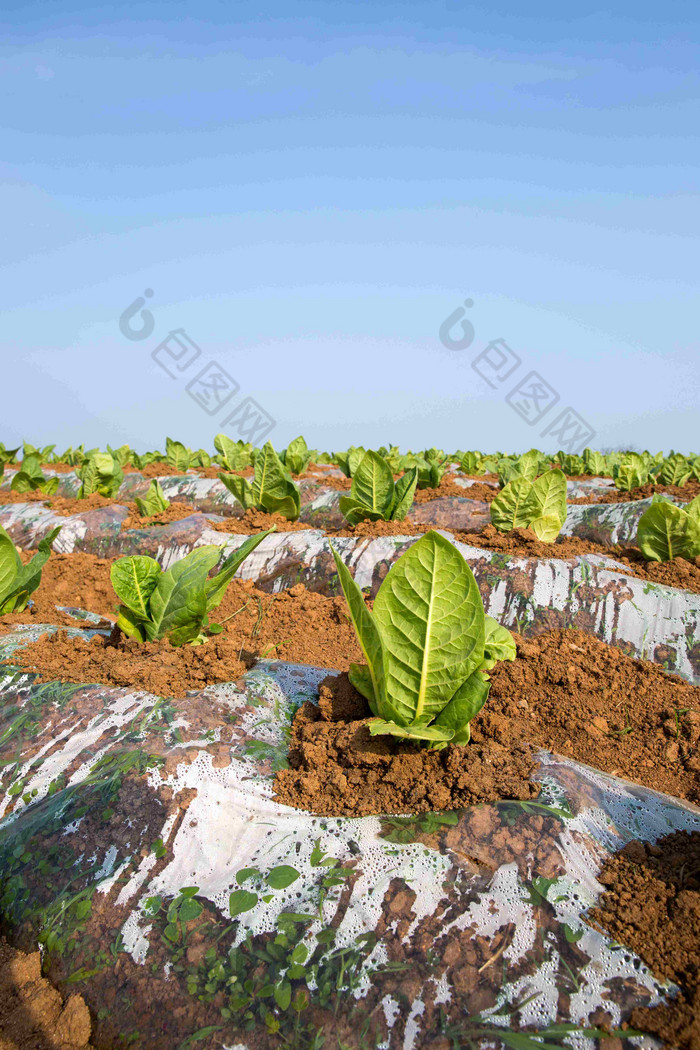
[[628, 469]]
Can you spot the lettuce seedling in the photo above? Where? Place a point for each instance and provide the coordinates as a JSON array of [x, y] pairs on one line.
[[233, 455], [200, 458], [571, 464], [296, 456], [631, 472], [594, 463], [428, 645], [666, 531], [153, 502], [177, 455], [349, 461], [539, 505], [42, 454], [100, 473], [529, 465], [675, 470], [431, 468], [272, 490], [122, 454], [9, 455], [374, 495], [18, 581], [174, 603], [30, 478]]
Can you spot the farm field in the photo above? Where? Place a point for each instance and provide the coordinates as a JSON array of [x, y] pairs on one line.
[[347, 750]]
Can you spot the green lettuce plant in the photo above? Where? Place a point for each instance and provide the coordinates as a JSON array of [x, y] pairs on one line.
[[175, 603], [297, 456], [431, 468], [428, 645], [177, 455], [153, 502], [374, 496], [666, 531], [349, 461], [200, 458], [594, 463], [272, 490], [233, 455], [529, 465], [631, 472], [675, 470], [30, 478], [571, 464], [100, 473], [539, 505], [122, 454], [42, 453], [18, 581]]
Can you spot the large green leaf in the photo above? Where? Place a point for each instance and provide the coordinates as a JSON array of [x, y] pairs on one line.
[[10, 565], [215, 586], [240, 488], [466, 702], [546, 527], [368, 636], [693, 509], [548, 496], [404, 491], [153, 502], [354, 511], [134, 580], [666, 531], [431, 621], [415, 731], [29, 575], [511, 508], [499, 644], [373, 484], [177, 455], [178, 603], [296, 457]]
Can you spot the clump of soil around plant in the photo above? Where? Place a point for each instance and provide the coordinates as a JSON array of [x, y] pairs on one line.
[[75, 580], [682, 492], [652, 905], [570, 693], [679, 572], [157, 667], [175, 512], [373, 529], [449, 487], [525, 544], [338, 769], [258, 521], [33, 1014]]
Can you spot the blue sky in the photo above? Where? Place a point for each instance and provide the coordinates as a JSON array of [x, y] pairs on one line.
[[310, 189]]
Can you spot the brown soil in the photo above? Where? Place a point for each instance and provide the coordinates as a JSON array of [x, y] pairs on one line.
[[683, 492], [7, 496], [680, 573], [157, 667], [380, 528], [154, 470], [652, 905], [175, 512], [449, 487], [572, 694], [257, 521], [75, 580], [338, 768], [524, 543], [566, 692], [329, 481], [33, 1014], [58, 468]]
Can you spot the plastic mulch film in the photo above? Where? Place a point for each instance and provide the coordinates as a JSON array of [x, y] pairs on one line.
[[141, 843], [98, 531], [590, 592]]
